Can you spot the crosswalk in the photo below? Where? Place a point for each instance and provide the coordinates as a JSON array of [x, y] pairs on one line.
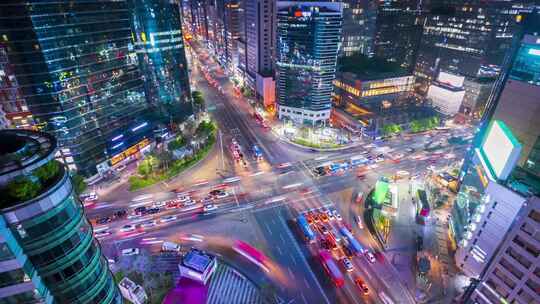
[[228, 286]]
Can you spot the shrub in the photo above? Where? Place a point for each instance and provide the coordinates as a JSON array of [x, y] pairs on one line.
[[47, 171], [23, 189], [79, 184]]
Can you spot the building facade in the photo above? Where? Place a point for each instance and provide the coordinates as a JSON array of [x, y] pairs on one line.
[[513, 275], [308, 38], [12, 103], [77, 67], [358, 27], [48, 253], [465, 38], [160, 48], [398, 32], [446, 93], [477, 91]]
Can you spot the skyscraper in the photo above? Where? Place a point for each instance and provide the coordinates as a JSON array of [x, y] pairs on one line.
[[47, 249], [77, 67], [308, 37], [398, 32], [358, 27], [465, 38], [160, 47]]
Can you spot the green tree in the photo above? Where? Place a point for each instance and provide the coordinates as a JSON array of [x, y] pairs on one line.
[[23, 188], [198, 99], [147, 166], [177, 143], [78, 183], [47, 171]]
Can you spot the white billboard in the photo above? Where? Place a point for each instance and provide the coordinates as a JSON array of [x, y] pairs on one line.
[[500, 150]]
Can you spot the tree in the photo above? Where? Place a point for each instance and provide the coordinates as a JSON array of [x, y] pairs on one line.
[[47, 171], [198, 99], [78, 183], [177, 143], [147, 166], [23, 189]]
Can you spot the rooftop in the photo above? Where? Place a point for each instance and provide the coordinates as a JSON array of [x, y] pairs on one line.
[[367, 68], [197, 260]]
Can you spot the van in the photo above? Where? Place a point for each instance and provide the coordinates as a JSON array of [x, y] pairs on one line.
[[170, 246]]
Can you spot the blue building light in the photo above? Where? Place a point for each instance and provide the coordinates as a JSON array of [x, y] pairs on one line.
[[144, 124], [535, 52], [117, 145], [117, 137]]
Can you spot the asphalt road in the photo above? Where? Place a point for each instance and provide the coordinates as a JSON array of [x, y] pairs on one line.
[[268, 196]]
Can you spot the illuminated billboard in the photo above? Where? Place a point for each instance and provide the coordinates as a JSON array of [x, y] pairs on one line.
[[499, 150]]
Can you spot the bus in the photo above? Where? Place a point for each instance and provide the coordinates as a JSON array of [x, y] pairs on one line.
[[331, 268], [358, 160], [257, 152], [252, 254], [306, 230], [353, 243]]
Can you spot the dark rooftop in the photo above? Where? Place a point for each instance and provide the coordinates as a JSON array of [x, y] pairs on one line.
[[370, 68], [197, 260]]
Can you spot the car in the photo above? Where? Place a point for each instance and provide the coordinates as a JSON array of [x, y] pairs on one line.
[[358, 219], [409, 150], [362, 285], [172, 204], [284, 165], [102, 233], [329, 214], [120, 213], [215, 192], [120, 168], [127, 228], [148, 224], [337, 215], [370, 257], [324, 230], [209, 207], [168, 218], [183, 198], [347, 264], [324, 244], [133, 216], [160, 204], [348, 252], [309, 218], [130, 251], [140, 210], [324, 217], [316, 217], [103, 220], [222, 194], [189, 203], [360, 197], [153, 210]]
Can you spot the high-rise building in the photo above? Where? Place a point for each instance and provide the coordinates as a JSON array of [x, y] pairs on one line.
[[498, 181], [12, 103], [260, 35], [358, 27], [308, 38], [160, 47], [513, 276], [76, 65], [48, 253], [518, 104], [398, 32], [465, 37]]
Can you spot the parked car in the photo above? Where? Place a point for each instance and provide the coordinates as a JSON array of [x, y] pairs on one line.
[[130, 251]]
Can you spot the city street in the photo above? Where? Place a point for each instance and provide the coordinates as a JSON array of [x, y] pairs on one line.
[[265, 196]]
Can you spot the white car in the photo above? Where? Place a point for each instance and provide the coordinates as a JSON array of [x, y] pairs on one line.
[[337, 215], [130, 251], [329, 213], [133, 216], [102, 233], [209, 207], [189, 203], [183, 198], [359, 221], [168, 218], [127, 228], [347, 264], [222, 194], [370, 257], [148, 224], [160, 204]]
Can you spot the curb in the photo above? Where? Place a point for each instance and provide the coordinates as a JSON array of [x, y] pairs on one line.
[[311, 148]]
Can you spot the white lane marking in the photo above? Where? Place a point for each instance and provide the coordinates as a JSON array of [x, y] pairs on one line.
[[279, 249], [290, 272], [257, 173], [306, 265], [292, 186], [322, 157]]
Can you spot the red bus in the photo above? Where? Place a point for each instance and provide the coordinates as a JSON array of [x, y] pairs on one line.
[[252, 254], [331, 268]]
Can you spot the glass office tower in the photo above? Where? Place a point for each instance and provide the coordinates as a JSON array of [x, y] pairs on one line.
[[78, 71], [162, 58], [48, 252], [308, 38]]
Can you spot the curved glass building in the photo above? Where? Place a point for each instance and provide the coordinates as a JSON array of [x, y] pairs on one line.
[[47, 250]]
